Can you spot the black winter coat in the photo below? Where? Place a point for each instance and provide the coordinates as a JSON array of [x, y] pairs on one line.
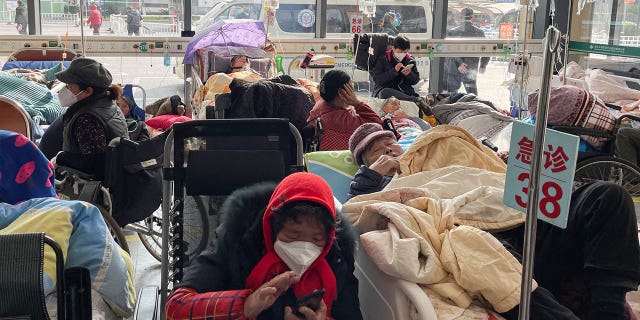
[[385, 75], [240, 247]]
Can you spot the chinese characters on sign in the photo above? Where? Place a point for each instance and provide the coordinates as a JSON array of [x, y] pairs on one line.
[[506, 31], [557, 168], [356, 24]]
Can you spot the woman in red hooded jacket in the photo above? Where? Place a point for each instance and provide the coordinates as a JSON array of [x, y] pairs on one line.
[[264, 262], [95, 19]]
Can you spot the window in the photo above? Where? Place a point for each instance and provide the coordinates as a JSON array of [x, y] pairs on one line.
[[300, 18], [412, 19], [240, 11]]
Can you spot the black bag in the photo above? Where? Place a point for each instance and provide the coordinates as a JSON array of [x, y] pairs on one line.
[[134, 178], [380, 42]]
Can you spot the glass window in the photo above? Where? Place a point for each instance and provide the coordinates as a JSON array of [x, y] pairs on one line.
[[411, 19], [300, 18], [336, 20]]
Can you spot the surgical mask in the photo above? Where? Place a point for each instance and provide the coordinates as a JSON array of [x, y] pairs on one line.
[[297, 255], [396, 22], [399, 55], [67, 98]]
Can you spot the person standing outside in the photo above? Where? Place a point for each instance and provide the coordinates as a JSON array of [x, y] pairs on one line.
[[21, 18], [134, 21], [465, 70], [95, 19]]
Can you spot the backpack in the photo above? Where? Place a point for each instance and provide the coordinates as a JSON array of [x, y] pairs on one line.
[[364, 58], [134, 19], [135, 179]]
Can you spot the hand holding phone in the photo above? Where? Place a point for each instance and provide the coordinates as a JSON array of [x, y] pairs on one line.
[[311, 301], [408, 67]]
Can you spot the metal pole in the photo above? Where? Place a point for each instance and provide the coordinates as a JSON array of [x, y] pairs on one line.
[[521, 84], [81, 2], [566, 43], [552, 40], [166, 207]]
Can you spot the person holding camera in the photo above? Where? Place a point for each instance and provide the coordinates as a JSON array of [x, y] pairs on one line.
[[282, 253]]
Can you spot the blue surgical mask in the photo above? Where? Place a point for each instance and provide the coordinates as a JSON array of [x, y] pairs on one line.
[[396, 22]]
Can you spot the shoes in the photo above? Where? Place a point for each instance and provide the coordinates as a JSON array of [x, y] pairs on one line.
[[424, 106]]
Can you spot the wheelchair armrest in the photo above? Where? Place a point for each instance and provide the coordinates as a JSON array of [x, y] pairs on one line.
[[147, 304], [76, 172], [578, 131]]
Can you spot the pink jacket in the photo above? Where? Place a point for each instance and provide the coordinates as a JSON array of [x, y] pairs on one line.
[[95, 17]]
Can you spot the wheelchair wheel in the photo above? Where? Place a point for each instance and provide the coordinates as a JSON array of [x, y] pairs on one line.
[[114, 228], [151, 236], [609, 169], [196, 226]]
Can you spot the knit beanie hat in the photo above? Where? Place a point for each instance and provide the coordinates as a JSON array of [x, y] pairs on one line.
[[331, 83], [364, 136]]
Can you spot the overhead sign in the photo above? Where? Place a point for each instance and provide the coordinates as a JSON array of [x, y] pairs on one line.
[[612, 50], [557, 168], [356, 24]]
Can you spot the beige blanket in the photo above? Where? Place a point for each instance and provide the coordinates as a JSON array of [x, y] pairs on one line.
[[426, 226]]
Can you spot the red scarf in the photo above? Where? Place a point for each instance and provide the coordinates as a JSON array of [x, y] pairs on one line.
[[299, 186]]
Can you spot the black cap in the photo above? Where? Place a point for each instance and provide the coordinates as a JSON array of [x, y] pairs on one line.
[[467, 12], [86, 71]]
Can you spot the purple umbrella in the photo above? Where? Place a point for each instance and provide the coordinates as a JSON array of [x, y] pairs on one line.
[[230, 33]]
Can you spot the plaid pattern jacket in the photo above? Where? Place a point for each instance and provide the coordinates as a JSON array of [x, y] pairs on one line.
[[185, 304]]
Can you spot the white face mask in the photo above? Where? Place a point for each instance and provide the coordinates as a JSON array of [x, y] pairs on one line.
[[297, 255], [66, 97], [399, 55]]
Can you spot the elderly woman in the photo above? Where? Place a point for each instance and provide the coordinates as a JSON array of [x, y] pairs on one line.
[[339, 110], [92, 119], [136, 126]]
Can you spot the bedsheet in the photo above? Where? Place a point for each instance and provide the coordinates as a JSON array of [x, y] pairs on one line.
[[40, 103]]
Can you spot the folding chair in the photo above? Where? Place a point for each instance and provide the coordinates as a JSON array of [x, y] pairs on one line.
[[13, 117]]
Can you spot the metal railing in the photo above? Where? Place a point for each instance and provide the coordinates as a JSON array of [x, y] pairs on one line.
[[155, 28], [7, 16], [60, 18], [630, 41]]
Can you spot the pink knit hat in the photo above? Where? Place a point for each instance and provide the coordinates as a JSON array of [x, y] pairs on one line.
[[364, 136]]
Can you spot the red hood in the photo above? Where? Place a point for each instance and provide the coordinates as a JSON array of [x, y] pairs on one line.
[[299, 186]]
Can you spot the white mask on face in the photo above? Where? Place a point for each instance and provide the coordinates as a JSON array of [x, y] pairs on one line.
[[67, 98], [297, 255], [399, 55]]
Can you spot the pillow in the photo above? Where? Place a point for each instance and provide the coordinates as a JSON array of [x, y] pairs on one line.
[[337, 168], [165, 121]]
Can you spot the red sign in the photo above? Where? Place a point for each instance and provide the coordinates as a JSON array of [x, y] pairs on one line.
[[506, 30]]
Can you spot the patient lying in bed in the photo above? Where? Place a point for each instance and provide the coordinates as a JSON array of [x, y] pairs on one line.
[[440, 222]]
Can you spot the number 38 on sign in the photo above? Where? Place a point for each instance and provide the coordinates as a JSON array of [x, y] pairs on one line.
[[557, 168]]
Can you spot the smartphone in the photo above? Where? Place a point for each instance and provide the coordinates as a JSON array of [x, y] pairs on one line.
[[408, 67], [311, 301]]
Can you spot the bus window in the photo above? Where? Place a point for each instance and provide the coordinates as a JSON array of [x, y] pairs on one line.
[[412, 19], [240, 11], [336, 22], [300, 18]]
